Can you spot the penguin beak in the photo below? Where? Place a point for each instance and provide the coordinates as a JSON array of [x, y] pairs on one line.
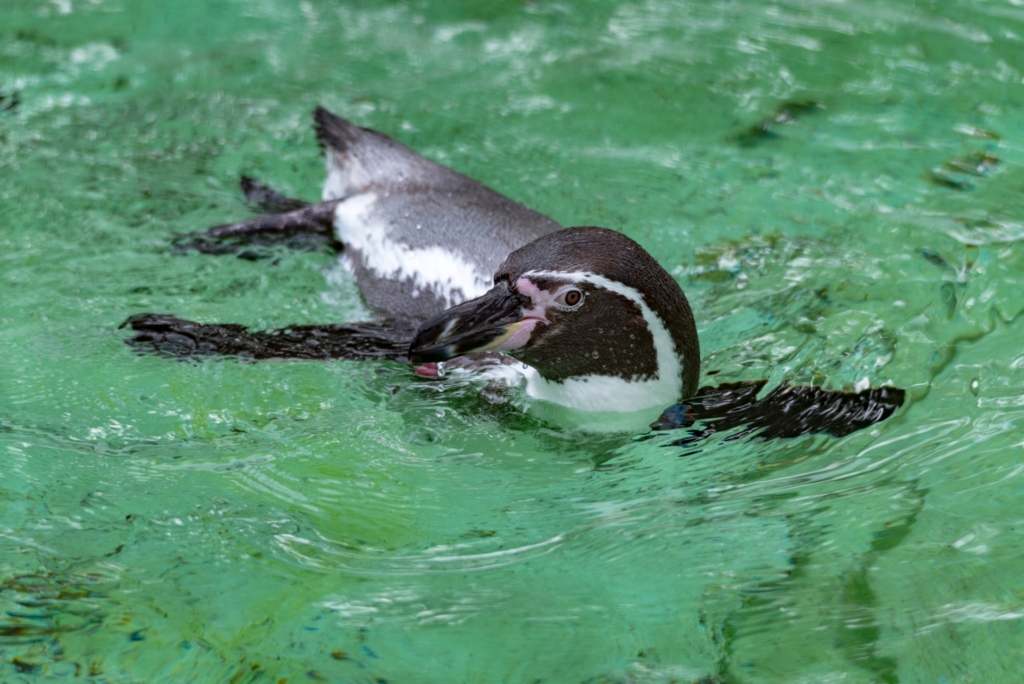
[[496, 321]]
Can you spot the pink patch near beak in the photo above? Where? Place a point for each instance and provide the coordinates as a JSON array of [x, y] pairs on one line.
[[531, 317], [427, 370]]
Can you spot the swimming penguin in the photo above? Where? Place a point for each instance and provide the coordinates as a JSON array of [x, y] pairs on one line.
[[458, 269]]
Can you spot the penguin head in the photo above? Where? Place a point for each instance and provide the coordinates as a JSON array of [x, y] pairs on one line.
[[590, 312]]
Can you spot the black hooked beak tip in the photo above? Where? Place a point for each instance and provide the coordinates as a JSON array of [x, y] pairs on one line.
[[481, 324]]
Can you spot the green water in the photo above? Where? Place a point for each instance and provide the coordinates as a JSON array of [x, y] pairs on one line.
[[349, 522]]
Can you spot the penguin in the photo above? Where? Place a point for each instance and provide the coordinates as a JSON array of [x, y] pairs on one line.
[[584, 316]]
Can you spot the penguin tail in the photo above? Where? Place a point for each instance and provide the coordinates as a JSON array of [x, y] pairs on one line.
[[362, 159], [335, 133]]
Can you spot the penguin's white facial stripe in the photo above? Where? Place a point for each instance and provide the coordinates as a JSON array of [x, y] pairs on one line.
[[436, 269]]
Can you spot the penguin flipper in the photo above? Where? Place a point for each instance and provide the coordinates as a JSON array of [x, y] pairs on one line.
[[310, 227], [267, 199], [169, 336], [786, 411]]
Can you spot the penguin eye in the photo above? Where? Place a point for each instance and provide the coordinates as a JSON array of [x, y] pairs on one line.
[[570, 298]]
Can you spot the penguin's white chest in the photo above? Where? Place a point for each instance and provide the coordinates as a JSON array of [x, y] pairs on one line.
[[602, 393]]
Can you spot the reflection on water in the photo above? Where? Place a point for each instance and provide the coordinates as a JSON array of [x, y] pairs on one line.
[[835, 185]]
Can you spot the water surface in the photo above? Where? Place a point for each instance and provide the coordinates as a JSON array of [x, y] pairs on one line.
[[836, 185]]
